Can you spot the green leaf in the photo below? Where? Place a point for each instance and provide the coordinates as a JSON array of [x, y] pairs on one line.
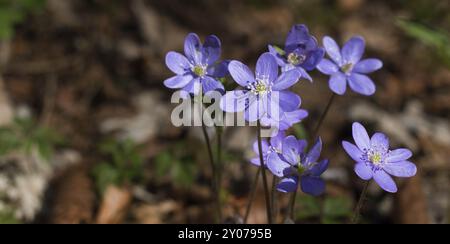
[[436, 39]]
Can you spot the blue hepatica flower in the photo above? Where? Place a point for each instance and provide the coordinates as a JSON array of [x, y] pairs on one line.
[[374, 159], [346, 66], [293, 165], [288, 119], [273, 146], [301, 52], [198, 69], [265, 94]]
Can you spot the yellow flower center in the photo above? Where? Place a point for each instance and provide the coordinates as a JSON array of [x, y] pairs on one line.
[[375, 158], [347, 68], [199, 70], [295, 59]]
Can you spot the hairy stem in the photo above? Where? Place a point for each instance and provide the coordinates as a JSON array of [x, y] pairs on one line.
[[264, 177], [273, 197], [290, 213], [360, 204], [323, 116], [214, 181]]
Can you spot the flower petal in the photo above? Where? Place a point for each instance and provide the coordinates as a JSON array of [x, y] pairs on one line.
[[314, 154], [288, 184], [288, 101], [177, 63], [286, 80], [327, 67], [192, 48], [219, 70], [401, 169], [362, 84], [277, 56], [338, 83], [397, 155], [234, 101], [211, 49], [276, 165], [353, 151], [277, 141], [385, 181], [299, 34], [256, 161], [332, 49], [361, 137], [380, 141], [256, 109], [241, 73], [210, 84], [314, 58], [291, 118], [305, 74], [193, 87], [267, 67], [363, 171], [177, 82], [290, 149], [368, 66], [319, 168], [314, 186], [264, 146], [353, 50]]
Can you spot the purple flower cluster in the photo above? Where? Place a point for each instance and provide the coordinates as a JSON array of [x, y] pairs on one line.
[[293, 165], [264, 96], [198, 69]]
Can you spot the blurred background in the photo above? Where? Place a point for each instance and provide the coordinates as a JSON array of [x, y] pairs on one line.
[[85, 132]]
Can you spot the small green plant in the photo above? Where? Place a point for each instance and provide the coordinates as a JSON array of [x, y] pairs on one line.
[[13, 12], [177, 164], [332, 210], [436, 39], [122, 166], [25, 135]]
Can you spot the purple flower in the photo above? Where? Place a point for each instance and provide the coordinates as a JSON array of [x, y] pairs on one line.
[[301, 52], [346, 66], [198, 69], [288, 119], [264, 94], [293, 165], [267, 148], [374, 159]]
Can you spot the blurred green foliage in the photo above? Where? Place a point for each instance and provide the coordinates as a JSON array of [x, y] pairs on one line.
[[335, 209], [25, 135], [177, 164], [13, 12], [123, 165], [7, 217], [438, 40], [300, 131]]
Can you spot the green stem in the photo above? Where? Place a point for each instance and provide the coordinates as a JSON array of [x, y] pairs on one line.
[[264, 177], [252, 196], [360, 204]]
